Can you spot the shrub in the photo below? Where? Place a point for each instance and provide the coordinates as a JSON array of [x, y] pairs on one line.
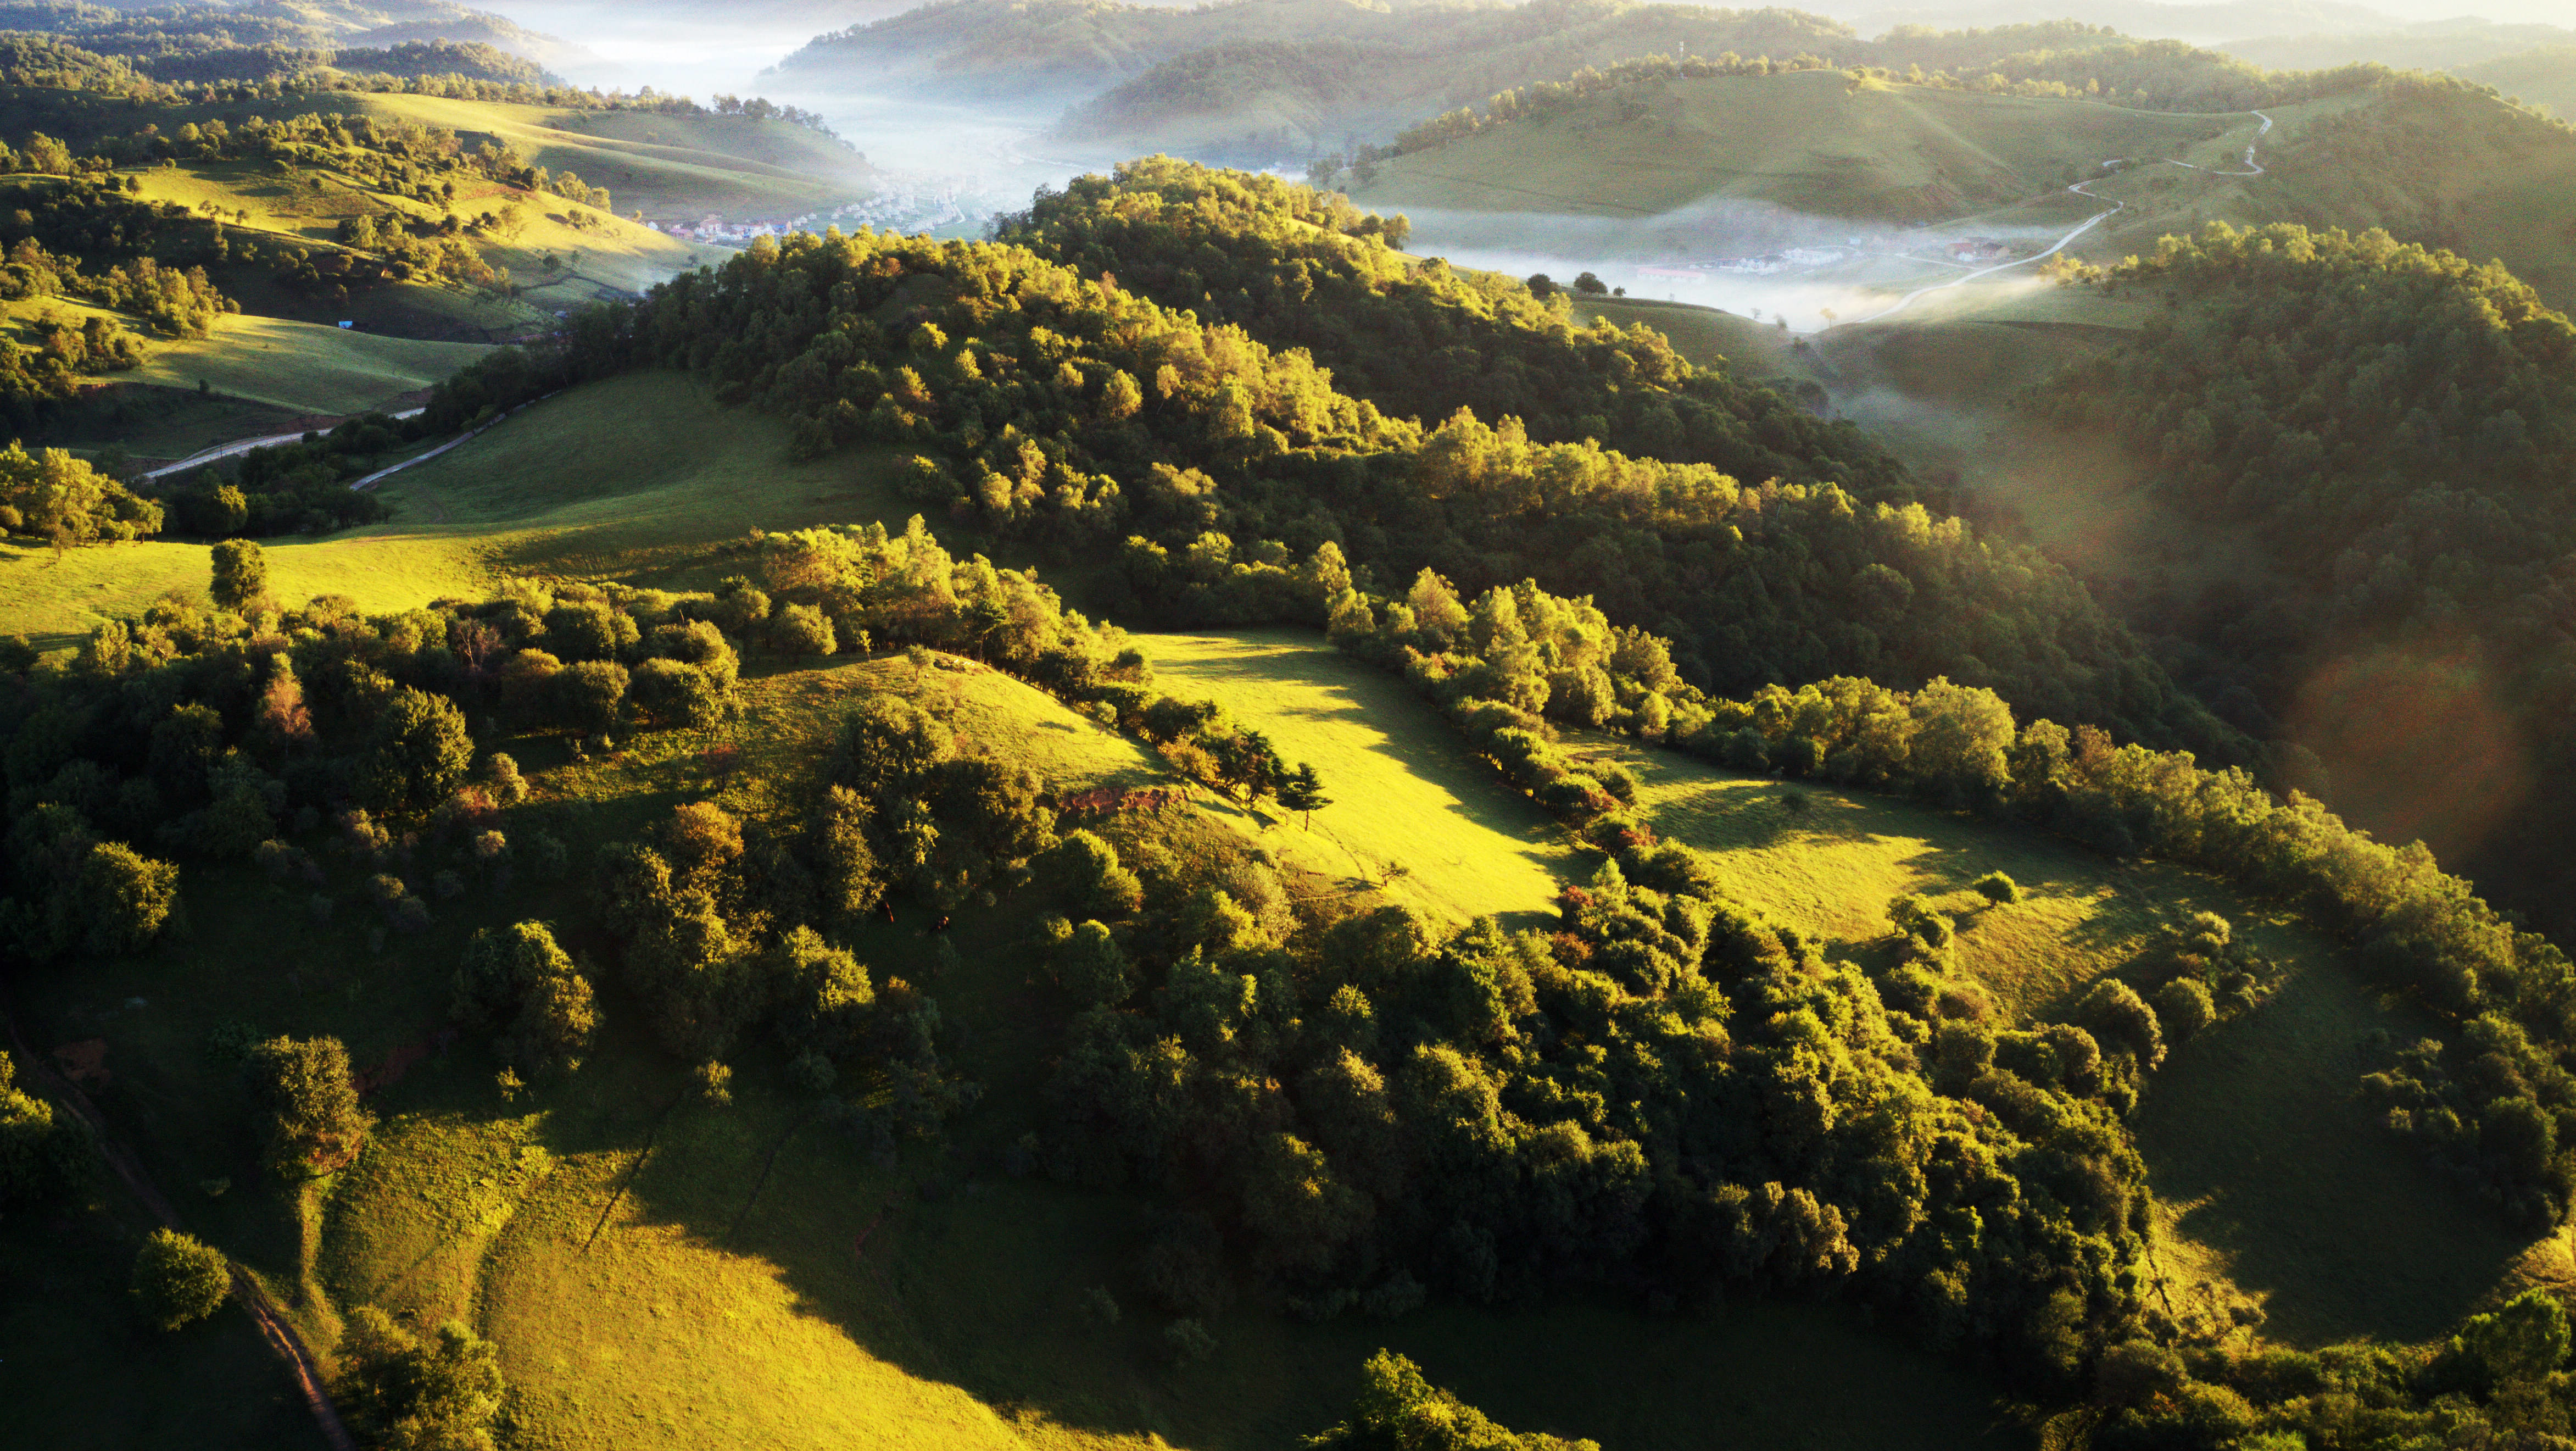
[[2122, 1021], [1092, 967], [120, 900], [589, 695], [676, 693], [712, 1083], [240, 575], [1188, 1342], [179, 1280], [420, 751], [2183, 1008], [802, 630], [1997, 888]]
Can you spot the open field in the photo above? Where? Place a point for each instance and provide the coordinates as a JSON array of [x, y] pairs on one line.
[[630, 477], [662, 1274], [1404, 789], [304, 367]]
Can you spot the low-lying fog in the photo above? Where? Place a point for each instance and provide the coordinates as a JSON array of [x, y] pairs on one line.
[[949, 168]]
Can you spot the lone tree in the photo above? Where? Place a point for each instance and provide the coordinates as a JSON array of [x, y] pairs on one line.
[[241, 575], [1303, 793], [315, 1122], [179, 1279]]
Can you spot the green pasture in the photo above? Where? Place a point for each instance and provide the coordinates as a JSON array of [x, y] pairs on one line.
[[305, 367], [658, 1273], [1405, 792]]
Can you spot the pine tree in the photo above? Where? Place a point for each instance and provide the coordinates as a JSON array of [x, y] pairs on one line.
[[1303, 792]]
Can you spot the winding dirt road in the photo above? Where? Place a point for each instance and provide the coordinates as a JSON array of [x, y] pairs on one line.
[[2083, 189], [245, 445]]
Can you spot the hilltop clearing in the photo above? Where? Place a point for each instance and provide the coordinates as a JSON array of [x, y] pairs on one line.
[[1410, 811]]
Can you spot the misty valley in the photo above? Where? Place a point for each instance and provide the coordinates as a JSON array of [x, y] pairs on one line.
[[1377, 725]]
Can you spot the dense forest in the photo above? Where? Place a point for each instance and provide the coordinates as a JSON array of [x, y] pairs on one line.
[[254, 42], [1045, 403], [2395, 426]]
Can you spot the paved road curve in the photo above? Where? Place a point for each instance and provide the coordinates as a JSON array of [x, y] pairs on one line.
[[2081, 188]]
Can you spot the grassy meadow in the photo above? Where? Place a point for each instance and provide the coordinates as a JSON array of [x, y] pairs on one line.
[[305, 367], [657, 1273], [1405, 794]]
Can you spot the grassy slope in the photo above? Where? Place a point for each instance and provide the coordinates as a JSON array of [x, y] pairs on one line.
[[1807, 142], [758, 1282], [1402, 793], [2544, 76], [2479, 178], [629, 477], [304, 366]]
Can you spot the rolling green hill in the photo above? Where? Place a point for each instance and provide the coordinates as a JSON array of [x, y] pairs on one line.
[[1809, 143], [671, 164]]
